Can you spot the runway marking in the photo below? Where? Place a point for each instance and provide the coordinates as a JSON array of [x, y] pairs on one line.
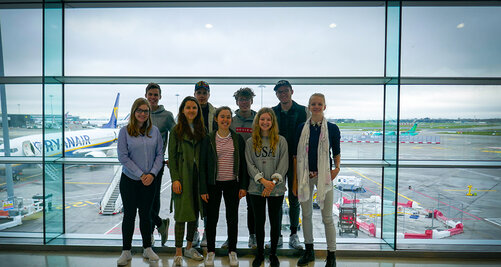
[[466, 190], [391, 190], [447, 205], [491, 151], [83, 183], [417, 147], [112, 228], [438, 147], [479, 173]]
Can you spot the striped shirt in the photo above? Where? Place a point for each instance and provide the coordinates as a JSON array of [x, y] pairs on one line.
[[224, 149]]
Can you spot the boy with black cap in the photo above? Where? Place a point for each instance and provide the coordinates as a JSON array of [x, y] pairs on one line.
[[290, 115], [202, 94]]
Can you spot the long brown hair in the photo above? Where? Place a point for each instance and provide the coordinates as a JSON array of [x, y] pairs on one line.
[[183, 128], [133, 128], [256, 131]]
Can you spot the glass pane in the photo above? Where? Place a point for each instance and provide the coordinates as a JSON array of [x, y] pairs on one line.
[[357, 110], [225, 41], [391, 119], [451, 41], [453, 122], [24, 212], [21, 41], [53, 121], [448, 205]]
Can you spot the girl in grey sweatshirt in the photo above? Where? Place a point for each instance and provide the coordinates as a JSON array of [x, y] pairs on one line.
[[267, 163]]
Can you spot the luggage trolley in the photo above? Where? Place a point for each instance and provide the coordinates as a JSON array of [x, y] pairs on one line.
[[348, 213]]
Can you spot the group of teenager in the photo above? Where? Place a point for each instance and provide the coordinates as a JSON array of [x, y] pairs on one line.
[[214, 154]]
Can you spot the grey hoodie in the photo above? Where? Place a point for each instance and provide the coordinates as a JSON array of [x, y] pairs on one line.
[[241, 125], [266, 165], [164, 120]]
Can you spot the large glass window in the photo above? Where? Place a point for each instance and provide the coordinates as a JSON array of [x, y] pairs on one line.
[[261, 41]]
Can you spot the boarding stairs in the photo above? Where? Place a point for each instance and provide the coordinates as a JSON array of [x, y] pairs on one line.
[[111, 203], [52, 173]]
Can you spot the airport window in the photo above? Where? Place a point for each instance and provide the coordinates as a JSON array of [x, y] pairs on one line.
[[449, 115]]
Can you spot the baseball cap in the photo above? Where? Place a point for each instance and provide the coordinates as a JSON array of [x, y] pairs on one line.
[[282, 83], [202, 85]]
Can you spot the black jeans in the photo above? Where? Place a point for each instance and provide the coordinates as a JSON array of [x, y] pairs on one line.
[[229, 191], [274, 206], [157, 183], [250, 216], [135, 195]]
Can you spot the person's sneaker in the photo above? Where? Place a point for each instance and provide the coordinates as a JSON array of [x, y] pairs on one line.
[[252, 241], [163, 230], [204, 240], [209, 260], [124, 258], [279, 245], [233, 258], [149, 254], [178, 260], [196, 239], [258, 260], [192, 253], [225, 244], [274, 262], [294, 242]]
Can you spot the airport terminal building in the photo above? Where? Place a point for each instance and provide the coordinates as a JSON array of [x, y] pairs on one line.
[[414, 87]]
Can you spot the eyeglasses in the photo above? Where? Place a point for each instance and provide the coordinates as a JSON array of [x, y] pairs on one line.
[[144, 111]]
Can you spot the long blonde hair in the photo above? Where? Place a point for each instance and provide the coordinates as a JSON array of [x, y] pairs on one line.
[[256, 131], [133, 128]]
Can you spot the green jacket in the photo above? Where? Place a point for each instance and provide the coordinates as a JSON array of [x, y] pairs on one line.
[[209, 161], [183, 154]]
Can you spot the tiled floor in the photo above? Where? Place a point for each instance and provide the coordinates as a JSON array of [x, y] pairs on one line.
[[96, 259]]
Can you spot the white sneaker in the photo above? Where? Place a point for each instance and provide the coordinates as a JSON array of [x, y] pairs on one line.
[[124, 258], [209, 260], [149, 254], [294, 242], [204, 240], [196, 239], [252, 241], [280, 243], [225, 244], [233, 258], [192, 253], [178, 260]]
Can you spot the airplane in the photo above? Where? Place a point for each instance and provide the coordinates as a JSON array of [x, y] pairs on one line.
[[81, 143], [410, 132]]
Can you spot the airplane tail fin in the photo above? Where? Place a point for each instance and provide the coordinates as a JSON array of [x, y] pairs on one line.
[[112, 123], [413, 129]]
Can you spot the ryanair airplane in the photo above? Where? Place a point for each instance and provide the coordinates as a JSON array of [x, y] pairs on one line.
[[81, 143]]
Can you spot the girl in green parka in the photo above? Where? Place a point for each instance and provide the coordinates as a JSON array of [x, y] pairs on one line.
[[185, 170]]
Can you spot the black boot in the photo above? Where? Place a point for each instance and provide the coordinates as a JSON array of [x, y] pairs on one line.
[[258, 260], [331, 259], [274, 262], [307, 257]]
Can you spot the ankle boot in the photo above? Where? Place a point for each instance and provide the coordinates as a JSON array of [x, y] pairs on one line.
[[331, 259], [308, 256]]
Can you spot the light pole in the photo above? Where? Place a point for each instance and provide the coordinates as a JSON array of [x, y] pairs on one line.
[[262, 86]]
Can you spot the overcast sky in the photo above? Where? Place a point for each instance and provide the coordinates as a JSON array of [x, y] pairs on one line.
[[259, 42]]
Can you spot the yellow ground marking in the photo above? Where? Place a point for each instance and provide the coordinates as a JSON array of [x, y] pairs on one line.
[[438, 147], [83, 183], [372, 215], [466, 190], [391, 190], [417, 147], [491, 151]]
